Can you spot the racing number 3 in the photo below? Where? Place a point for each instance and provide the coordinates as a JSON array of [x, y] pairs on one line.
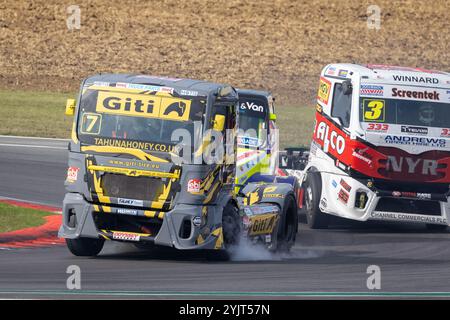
[[374, 110]]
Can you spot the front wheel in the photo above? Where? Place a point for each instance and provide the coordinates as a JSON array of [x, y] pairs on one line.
[[85, 247], [231, 230], [313, 191]]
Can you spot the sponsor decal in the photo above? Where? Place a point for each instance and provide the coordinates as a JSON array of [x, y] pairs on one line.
[[414, 130], [445, 132], [129, 212], [257, 210], [197, 221], [131, 163], [194, 185], [247, 154], [345, 185], [274, 195], [324, 90], [374, 110], [189, 93], [101, 84], [323, 203], [412, 165], [319, 108], [363, 155], [130, 202], [131, 144], [341, 165], [262, 224], [343, 196], [334, 183], [140, 105], [424, 95], [251, 106], [126, 236], [330, 138], [72, 174], [269, 189], [394, 216], [144, 87], [380, 127], [343, 73], [416, 141], [371, 90], [418, 195], [416, 79], [331, 71], [247, 141]]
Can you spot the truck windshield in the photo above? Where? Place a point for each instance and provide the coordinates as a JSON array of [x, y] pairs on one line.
[[252, 122], [405, 112], [126, 118]]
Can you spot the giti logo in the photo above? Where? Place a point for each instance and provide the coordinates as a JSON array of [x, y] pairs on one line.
[[140, 105], [178, 107], [263, 224]]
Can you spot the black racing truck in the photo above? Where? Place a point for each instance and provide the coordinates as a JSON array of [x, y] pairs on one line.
[[171, 162]]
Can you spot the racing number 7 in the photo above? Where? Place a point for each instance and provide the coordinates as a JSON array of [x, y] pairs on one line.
[[91, 123], [374, 110]]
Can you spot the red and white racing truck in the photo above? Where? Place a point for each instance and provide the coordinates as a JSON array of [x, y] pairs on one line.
[[381, 146]]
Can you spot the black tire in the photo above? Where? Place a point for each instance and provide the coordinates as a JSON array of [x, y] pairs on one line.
[[436, 227], [85, 247], [315, 218], [231, 229], [287, 230], [231, 225]]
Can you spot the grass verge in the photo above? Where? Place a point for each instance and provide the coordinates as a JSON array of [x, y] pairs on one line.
[[15, 218], [41, 114], [34, 114]]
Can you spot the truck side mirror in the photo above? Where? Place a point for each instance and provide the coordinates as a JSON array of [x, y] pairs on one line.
[[272, 116], [70, 107], [219, 122], [347, 87]]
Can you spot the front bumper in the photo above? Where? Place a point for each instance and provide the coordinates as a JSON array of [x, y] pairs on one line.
[[204, 235], [341, 192]]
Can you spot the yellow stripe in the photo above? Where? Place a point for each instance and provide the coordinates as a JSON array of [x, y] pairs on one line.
[[211, 192], [135, 152], [74, 133], [219, 234], [135, 173]]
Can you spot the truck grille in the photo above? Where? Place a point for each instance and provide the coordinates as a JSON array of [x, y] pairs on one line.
[[387, 185], [423, 207], [122, 186]]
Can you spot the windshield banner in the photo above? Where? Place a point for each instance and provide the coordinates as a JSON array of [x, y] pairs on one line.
[[405, 92], [140, 105]]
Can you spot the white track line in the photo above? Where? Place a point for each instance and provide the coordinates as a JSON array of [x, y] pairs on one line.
[[32, 202], [31, 146], [33, 138]]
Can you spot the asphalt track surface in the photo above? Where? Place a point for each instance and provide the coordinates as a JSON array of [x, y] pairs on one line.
[[328, 263]]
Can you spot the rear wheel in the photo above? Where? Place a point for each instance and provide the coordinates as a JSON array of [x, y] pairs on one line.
[[288, 226], [85, 247], [313, 190], [437, 227]]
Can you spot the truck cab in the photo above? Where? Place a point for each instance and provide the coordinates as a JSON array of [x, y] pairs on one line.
[[152, 160], [380, 147]]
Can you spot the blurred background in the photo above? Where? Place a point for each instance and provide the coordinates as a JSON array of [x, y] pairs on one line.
[[278, 45]]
